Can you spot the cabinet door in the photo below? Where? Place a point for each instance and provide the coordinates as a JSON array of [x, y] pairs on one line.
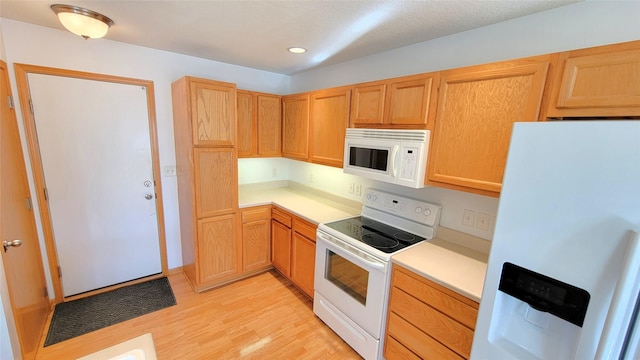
[[269, 125], [303, 259], [476, 110], [217, 249], [256, 232], [330, 116], [246, 143], [367, 104], [216, 182], [213, 106], [295, 127], [598, 82], [409, 100], [281, 247]]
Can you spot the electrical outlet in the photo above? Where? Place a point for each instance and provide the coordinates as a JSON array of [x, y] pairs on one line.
[[351, 186], [274, 172], [469, 217], [169, 170], [310, 177], [358, 189], [483, 221]]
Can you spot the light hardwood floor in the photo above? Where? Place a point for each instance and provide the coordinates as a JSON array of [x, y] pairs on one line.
[[262, 317]]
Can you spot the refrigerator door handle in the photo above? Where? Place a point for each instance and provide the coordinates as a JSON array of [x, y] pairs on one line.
[[619, 318]]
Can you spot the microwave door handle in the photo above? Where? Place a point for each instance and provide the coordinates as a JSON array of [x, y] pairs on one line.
[[394, 160]]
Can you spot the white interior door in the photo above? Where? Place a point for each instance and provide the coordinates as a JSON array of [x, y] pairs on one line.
[[96, 157]]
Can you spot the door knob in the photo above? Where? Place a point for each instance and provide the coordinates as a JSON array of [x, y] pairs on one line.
[[148, 196], [14, 243]]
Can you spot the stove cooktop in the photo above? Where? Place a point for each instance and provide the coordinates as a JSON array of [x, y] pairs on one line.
[[380, 236]]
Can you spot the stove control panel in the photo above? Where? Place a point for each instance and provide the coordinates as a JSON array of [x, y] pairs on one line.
[[408, 208]]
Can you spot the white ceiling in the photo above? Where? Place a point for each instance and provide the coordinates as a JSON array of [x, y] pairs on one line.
[[257, 34]]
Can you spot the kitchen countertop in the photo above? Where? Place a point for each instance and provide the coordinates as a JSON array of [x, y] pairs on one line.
[[312, 205], [458, 263], [453, 259]]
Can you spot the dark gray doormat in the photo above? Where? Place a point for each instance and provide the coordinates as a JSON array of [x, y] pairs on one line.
[[78, 317]]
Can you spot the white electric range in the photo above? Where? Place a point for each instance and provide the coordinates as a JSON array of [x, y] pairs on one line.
[[353, 265]]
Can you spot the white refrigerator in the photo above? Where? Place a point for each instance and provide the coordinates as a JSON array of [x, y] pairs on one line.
[[563, 276]]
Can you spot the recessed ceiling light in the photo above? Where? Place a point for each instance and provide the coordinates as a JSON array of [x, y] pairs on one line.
[[297, 50]]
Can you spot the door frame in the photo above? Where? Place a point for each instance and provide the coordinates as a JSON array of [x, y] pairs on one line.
[[22, 71]]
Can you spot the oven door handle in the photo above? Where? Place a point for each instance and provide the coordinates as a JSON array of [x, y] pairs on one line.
[[355, 255]]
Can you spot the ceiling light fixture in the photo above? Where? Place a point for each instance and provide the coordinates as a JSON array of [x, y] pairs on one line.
[[81, 21], [297, 50]]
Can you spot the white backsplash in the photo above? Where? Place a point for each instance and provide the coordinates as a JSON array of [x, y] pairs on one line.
[[333, 180]]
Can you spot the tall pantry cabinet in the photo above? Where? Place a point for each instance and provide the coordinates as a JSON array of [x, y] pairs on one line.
[[204, 120]]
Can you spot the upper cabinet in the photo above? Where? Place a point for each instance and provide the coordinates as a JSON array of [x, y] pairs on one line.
[[259, 124], [329, 119], [477, 107], [247, 143], [295, 127], [404, 102], [597, 82], [211, 108]]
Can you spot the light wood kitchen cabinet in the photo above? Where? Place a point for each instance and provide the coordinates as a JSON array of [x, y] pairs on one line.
[[204, 130], [256, 238], [281, 241], [404, 102], [426, 320], [303, 255], [477, 107], [259, 124], [329, 121], [246, 142], [216, 181], [293, 248], [602, 81], [295, 127], [210, 107], [218, 249]]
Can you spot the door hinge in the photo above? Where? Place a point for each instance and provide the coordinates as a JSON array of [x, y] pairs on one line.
[[11, 105], [29, 204], [46, 292], [59, 271], [31, 106], [46, 194]]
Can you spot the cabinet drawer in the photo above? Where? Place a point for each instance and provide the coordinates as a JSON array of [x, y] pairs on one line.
[[394, 350], [439, 326], [305, 229], [417, 341], [452, 304], [281, 216], [255, 214]]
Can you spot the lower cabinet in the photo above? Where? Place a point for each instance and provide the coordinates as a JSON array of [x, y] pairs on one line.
[[256, 233], [217, 249], [281, 241], [426, 320], [303, 255], [293, 248]]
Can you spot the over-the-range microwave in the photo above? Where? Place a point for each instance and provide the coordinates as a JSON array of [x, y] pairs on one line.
[[393, 156]]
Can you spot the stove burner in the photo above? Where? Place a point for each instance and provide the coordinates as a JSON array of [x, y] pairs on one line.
[[403, 236], [379, 242], [376, 234], [366, 221]]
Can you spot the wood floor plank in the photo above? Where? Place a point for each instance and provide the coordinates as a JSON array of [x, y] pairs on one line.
[[262, 317]]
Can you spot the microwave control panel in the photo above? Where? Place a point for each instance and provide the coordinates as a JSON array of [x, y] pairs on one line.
[[408, 162], [416, 210]]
